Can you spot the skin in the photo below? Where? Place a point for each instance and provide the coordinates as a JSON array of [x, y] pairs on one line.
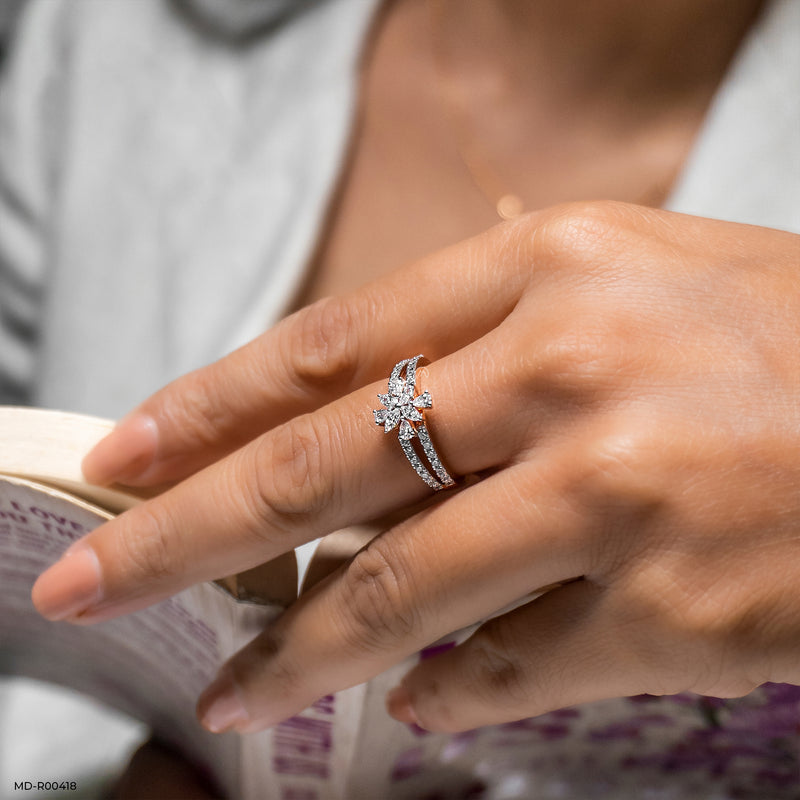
[[651, 451], [562, 101], [622, 379], [156, 772]]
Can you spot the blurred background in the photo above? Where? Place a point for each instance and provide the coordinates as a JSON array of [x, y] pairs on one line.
[[9, 9], [48, 733]]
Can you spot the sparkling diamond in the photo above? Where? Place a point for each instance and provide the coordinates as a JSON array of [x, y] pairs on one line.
[[401, 407], [406, 430], [392, 419], [398, 387], [424, 400]]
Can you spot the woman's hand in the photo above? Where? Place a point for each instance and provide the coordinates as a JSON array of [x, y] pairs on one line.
[[155, 772], [625, 381]]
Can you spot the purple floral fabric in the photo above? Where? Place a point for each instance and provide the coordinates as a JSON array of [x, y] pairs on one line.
[[684, 746], [681, 747]]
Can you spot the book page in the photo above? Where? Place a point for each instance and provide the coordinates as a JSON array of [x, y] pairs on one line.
[[47, 447], [152, 664]]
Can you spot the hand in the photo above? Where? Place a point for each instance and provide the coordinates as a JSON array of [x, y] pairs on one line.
[[625, 381], [155, 773]]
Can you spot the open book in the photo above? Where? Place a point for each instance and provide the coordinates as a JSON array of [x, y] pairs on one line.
[[154, 663]]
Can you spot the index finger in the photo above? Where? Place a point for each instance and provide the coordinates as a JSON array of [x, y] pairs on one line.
[[321, 352]]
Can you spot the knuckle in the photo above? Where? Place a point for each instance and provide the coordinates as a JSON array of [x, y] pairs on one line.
[[620, 468], [322, 347], [585, 363], [267, 658], [590, 355], [265, 661], [686, 633], [377, 599], [724, 616], [194, 413], [291, 478], [580, 240], [647, 624], [581, 228], [497, 677], [731, 634], [146, 553], [618, 480]]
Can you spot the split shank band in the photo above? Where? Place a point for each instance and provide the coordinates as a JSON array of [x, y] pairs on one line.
[[404, 409]]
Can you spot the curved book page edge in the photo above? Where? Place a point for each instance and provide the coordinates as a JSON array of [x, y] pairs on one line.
[[47, 447]]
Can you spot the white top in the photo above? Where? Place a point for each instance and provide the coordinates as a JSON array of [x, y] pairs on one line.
[[165, 169], [162, 189]]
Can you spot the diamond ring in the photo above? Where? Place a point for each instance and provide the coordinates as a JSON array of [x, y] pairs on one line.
[[404, 409]]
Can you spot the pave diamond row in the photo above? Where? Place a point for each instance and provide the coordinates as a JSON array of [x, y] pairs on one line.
[[402, 408], [433, 457], [416, 462]]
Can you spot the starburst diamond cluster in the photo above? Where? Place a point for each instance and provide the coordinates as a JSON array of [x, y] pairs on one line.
[[401, 408]]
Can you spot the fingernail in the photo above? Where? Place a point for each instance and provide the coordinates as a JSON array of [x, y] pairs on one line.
[[219, 708], [70, 586], [398, 704], [125, 453]]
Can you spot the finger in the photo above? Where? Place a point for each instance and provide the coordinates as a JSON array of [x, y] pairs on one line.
[[314, 474], [157, 772], [557, 651], [314, 356], [451, 566]]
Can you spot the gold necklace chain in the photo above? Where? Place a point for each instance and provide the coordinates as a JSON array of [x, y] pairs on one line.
[[483, 175]]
